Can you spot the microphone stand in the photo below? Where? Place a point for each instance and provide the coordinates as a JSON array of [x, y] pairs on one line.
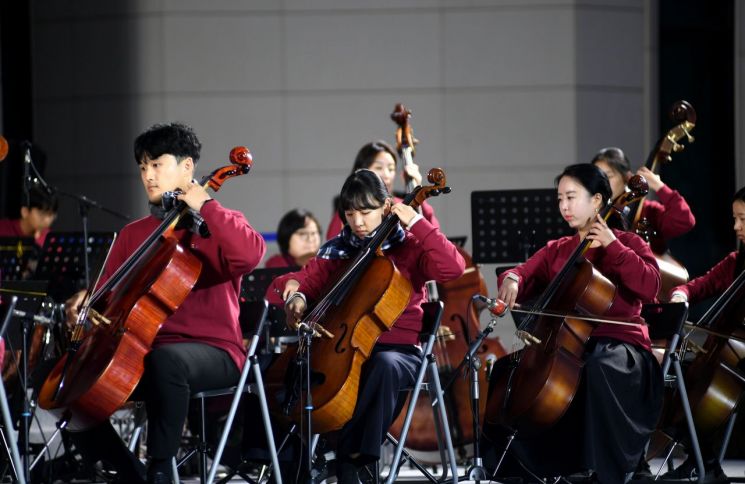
[[475, 472]]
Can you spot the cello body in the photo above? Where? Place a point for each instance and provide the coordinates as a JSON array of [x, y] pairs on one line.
[[537, 392], [110, 362]]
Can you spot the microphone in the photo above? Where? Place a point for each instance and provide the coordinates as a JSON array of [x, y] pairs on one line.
[[495, 306]]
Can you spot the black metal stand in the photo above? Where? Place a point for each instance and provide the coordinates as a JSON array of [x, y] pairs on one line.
[[307, 335]]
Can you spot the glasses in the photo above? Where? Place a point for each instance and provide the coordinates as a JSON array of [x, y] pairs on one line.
[[307, 234]]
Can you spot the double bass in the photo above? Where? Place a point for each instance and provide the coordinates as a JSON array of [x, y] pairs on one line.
[[104, 363], [365, 300], [672, 272], [460, 321], [537, 388]]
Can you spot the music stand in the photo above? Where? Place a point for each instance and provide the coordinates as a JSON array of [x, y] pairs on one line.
[[18, 256], [63, 260], [508, 226], [253, 289]]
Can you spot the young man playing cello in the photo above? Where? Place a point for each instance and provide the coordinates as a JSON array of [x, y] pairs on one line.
[[200, 346]]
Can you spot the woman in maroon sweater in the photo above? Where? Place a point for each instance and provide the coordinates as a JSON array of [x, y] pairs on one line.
[[670, 217], [379, 157], [200, 346], [617, 405], [421, 253], [711, 284], [298, 238]]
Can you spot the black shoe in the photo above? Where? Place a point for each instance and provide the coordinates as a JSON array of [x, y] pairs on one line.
[[643, 472], [687, 471], [347, 472], [159, 478]]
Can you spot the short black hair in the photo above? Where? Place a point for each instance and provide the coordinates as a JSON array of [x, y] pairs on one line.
[[175, 139], [739, 195], [362, 190], [367, 154], [42, 198], [589, 176], [616, 159], [291, 222]]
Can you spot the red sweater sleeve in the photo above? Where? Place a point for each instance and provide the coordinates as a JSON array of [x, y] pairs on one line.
[[631, 260], [439, 259], [241, 247], [713, 283], [429, 213], [535, 273], [671, 217]]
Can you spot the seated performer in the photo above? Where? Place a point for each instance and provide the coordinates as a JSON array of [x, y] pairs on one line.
[[298, 237], [379, 157], [37, 215], [199, 347], [618, 402], [670, 217], [713, 283], [421, 253]]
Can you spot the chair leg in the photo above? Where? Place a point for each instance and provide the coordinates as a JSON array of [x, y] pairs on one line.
[[174, 471], [727, 436], [12, 436], [435, 376], [689, 416]]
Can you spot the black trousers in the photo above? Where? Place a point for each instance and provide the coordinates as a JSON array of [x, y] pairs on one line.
[[607, 425], [172, 374], [390, 370]]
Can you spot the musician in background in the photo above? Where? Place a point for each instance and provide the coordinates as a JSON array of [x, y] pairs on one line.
[[421, 253], [619, 398], [379, 157], [38, 213], [713, 283], [200, 346], [298, 237], [670, 217]]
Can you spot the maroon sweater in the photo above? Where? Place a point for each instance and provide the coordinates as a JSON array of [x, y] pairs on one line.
[[209, 314], [424, 255], [279, 260], [670, 217], [627, 262], [713, 283], [336, 224], [12, 228]]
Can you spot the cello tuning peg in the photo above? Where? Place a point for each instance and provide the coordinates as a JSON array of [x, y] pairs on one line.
[[690, 138], [447, 190]]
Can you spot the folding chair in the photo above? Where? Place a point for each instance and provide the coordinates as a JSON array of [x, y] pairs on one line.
[[428, 336], [9, 435], [256, 311], [666, 322]]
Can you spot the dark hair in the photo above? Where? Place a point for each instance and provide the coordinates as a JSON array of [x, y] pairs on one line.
[[615, 158], [175, 139], [367, 154], [740, 260], [739, 195], [363, 189], [589, 176], [290, 223], [41, 198]]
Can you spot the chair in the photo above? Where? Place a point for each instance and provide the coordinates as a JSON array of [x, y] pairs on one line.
[[254, 311], [666, 322], [9, 435], [431, 325]]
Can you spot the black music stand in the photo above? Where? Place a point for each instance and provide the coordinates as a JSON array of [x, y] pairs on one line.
[[18, 257], [253, 289], [508, 226], [63, 260]]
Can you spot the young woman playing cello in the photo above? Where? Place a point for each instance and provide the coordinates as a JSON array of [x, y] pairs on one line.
[[421, 253], [379, 157], [618, 402], [713, 283]]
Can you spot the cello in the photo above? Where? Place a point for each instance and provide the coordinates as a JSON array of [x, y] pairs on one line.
[[537, 388], [460, 321], [365, 300], [672, 272], [104, 364]]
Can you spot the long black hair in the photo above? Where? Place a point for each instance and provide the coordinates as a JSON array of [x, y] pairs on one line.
[[362, 190], [589, 176]]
